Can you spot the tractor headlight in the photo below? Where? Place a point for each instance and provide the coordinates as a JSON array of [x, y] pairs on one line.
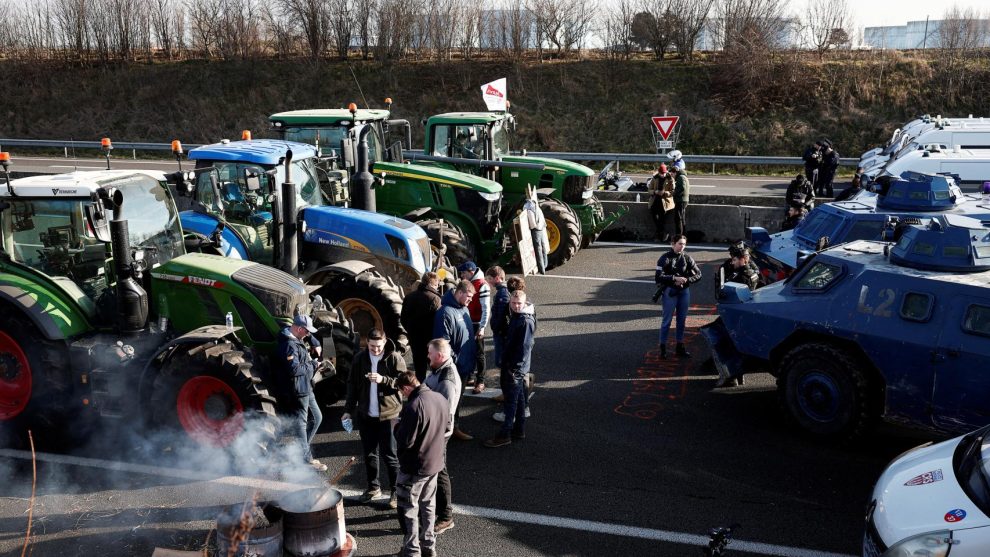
[[490, 197], [932, 544]]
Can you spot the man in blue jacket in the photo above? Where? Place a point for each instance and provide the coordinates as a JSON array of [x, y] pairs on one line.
[[515, 366], [299, 402], [453, 324]]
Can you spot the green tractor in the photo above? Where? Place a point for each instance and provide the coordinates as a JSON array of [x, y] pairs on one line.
[[459, 139], [103, 314], [462, 212]]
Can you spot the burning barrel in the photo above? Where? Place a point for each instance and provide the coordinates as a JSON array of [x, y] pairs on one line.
[[314, 524], [255, 530]]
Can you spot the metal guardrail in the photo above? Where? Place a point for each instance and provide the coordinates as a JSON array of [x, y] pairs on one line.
[[599, 157]]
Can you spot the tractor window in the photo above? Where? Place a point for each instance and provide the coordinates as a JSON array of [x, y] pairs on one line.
[[977, 320], [52, 236], [500, 137], [917, 306], [307, 183], [819, 277], [328, 138], [469, 142], [231, 184], [152, 220], [441, 136]]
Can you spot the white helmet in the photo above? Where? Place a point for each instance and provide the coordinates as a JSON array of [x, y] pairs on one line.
[[675, 155]]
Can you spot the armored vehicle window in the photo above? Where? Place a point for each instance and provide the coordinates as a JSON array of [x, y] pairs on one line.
[[982, 251], [896, 192], [916, 306], [941, 195], [977, 320], [818, 277], [955, 251], [924, 248], [919, 195], [817, 225], [865, 230]]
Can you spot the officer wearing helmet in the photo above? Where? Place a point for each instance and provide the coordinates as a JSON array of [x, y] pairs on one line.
[[738, 268]]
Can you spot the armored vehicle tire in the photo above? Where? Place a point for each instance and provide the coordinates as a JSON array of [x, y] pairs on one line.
[[459, 247], [563, 231], [368, 301], [824, 389], [214, 395], [334, 388], [34, 381]]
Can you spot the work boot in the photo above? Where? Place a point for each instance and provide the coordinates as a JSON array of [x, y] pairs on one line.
[[393, 502], [663, 351], [370, 494], [498, 441], [681, 351], [461, 436]]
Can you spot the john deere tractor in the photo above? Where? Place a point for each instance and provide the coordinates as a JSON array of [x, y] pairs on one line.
[[359, 261], [460, 211], [104, 315]]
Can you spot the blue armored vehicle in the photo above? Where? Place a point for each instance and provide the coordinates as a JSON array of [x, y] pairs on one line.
[[359, 260], [871, 330], [910, 197]]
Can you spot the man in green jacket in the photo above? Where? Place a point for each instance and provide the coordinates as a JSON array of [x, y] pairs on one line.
[[682, 189], [372, 395]]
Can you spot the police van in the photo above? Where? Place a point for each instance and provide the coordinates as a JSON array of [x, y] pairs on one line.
[[970, 134], [968, 165]]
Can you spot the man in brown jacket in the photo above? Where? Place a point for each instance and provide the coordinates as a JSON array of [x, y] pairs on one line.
[[371, 392], [419, 308]]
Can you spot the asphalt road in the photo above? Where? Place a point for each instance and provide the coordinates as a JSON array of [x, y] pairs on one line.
[[625, 454]]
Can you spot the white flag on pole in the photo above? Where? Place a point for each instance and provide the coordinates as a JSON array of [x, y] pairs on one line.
[[494, 94]]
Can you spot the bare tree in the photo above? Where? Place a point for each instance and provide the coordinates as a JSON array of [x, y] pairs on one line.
[[70, 18], [278, 32], [364, 10], [961, 29], [166, 23], [471, 27], [342, 25], [658, 26], [689, 19], [750, 25], [238, 30], [509, 29], [616, 31], [441, 23], [203, 17], [313, 16], [824, 21], [396, 28], [561, 25]]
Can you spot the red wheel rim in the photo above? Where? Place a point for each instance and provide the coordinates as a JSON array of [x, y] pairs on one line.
[[210, 411], [15, 378]]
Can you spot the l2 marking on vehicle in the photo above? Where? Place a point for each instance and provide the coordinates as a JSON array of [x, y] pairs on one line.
[[926, 478], [955, 515]]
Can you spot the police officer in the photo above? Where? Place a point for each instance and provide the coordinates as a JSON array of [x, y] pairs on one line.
[[800, 190], [795, 214], [739, 268], [298, 369]]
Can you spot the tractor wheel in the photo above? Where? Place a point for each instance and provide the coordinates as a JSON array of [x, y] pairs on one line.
[[333, 388], [825, 390], [34, 381], [368, 301], [459, 247], [563, 231], [214, 395]]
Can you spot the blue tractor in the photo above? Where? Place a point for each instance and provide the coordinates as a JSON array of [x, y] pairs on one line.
[[358, 261], [910, 197], [871, 330]]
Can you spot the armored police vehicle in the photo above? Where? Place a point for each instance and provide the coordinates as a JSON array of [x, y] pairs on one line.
[[966, 132], [911, 196], [871, 330]]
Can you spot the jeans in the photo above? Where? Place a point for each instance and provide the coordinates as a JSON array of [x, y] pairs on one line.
[[479, 367], [498, 342], [421, 362], [514, 391], [377, 437], [445, 497], [659, 217], [417, 497], [541, 245], [680, 301], [304, 421], [680, 219]]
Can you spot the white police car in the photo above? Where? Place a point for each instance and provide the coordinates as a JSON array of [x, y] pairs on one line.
[[933, 501]]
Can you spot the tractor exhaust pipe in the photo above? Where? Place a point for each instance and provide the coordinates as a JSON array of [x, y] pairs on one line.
[[132, 299], [290, 237], [362, 195]]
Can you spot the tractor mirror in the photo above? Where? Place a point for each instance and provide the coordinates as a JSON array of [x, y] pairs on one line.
[[395, 152], [252, 181], [96, 217], [347, 152]]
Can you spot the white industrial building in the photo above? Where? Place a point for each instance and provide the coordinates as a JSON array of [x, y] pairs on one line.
[[916, 34]]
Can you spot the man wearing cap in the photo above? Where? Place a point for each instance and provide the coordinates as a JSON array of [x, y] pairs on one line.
[[661, 190], [795, 214], [480, 309], [298, 400]]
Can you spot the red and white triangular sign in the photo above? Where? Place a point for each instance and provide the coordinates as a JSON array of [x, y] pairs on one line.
[[665, 125]]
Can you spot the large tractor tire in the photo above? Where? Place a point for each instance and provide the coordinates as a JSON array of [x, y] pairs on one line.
[[35, 382], [459, 246], [563, 231], [213, 394], [334, 388], [825, 390], [368, 301]]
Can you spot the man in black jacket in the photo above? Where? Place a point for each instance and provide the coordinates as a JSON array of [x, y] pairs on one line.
[[830, 163], [515, 366], [444, 379], [800, 190], [296, 380], [371, 394], [419, 308], [420, 437], [676, 272]]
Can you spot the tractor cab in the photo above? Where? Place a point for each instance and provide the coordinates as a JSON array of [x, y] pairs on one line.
[[46, 225]]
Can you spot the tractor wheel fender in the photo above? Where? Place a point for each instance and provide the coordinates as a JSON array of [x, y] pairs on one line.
[[351, 268], [23, 303], [155, 363], [544, 193]]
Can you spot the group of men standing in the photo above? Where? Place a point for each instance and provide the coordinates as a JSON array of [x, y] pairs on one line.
[[821, 161]]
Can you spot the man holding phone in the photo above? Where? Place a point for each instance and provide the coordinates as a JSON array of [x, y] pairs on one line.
[[374, 400]]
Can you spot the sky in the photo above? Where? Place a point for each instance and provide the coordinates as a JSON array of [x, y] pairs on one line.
[[874, 13]]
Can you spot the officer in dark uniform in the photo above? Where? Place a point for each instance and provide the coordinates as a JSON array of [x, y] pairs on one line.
[[795, 214], [738, 268], [800, 190]]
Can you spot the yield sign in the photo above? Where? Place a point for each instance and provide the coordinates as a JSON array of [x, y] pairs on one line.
[[665, 125]]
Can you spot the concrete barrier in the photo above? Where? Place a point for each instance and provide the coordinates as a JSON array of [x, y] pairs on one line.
[[705, 223]]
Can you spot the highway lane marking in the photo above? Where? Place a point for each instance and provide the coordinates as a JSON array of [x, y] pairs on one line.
[[580, 525], [637, 281], [655, 245], [75, 166]]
